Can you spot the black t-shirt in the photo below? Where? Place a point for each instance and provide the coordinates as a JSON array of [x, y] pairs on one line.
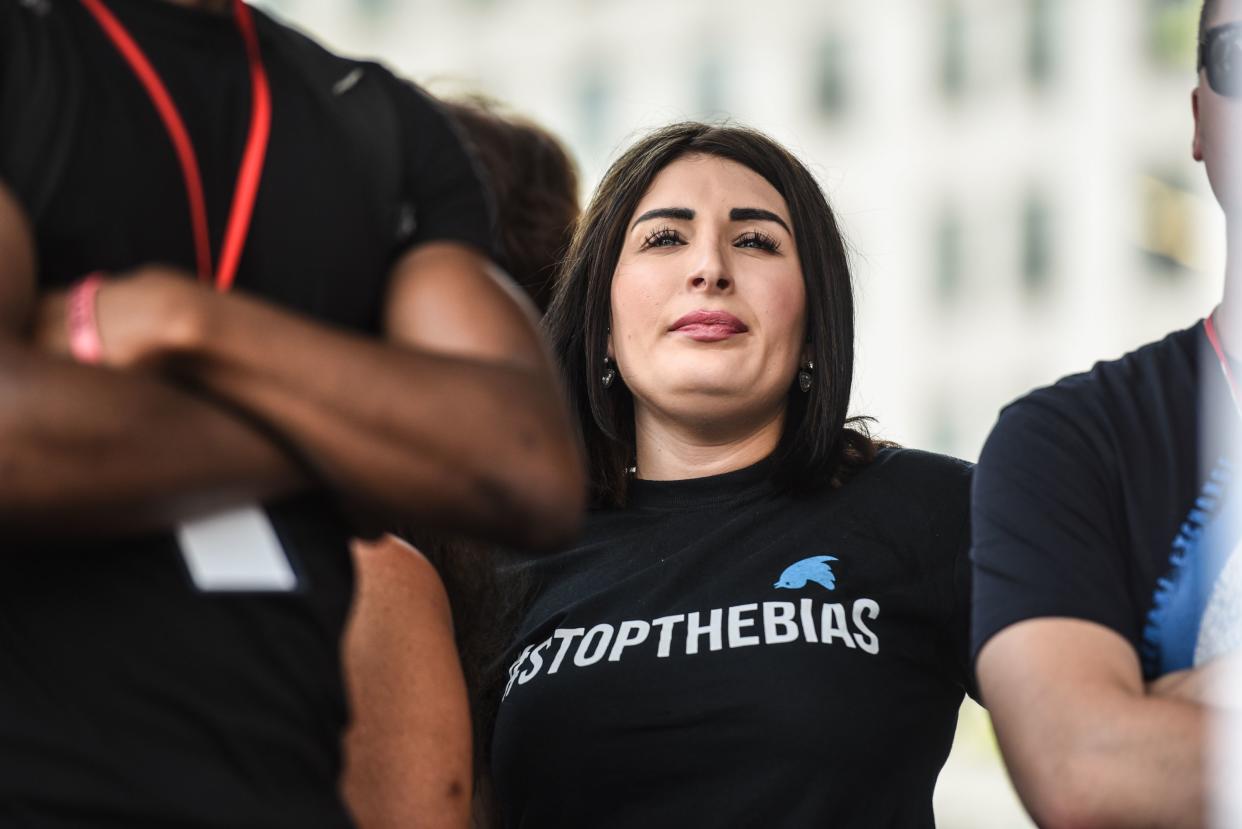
[[719, 653], [1106, 497], [129, 697]]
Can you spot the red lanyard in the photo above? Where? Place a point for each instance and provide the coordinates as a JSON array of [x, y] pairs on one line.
[[1209, 326], [251, 169]]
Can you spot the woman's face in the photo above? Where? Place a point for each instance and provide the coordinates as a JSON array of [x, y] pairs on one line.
[[708, 302]]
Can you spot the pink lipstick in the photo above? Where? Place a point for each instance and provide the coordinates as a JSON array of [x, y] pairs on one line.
[[709, 326]]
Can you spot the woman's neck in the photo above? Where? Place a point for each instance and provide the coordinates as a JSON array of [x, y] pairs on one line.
[[672, 451]]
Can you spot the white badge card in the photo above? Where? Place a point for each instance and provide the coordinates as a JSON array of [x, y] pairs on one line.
[[236, 550]]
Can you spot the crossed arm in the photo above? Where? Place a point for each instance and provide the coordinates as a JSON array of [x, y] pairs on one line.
[[1086, 743], [454, 420], [90, 450]]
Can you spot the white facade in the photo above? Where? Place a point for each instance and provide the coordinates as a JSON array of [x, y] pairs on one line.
[[921, 178]]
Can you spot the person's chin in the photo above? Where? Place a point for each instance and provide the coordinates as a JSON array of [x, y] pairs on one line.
[[713, 367], [711, 382]]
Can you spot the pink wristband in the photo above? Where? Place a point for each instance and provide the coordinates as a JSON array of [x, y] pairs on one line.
[[84, 341]]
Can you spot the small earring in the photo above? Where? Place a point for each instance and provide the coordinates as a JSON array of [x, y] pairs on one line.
[[609, 374], [805, 375]]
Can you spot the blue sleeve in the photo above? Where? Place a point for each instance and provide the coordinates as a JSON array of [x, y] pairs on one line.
[[1048, 531]]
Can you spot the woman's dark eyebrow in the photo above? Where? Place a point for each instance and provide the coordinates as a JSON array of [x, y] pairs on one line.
[[745, 214], [682, 213]]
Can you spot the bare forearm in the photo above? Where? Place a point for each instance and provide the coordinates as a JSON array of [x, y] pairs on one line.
[[1133, 763], [448, 441], [407, 751], [1086, 744], [92, 450]]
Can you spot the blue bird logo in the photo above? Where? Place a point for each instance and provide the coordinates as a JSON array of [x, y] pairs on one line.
[[814, 569]]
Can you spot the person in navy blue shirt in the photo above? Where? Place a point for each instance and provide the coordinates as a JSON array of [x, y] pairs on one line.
[[1108, 587]]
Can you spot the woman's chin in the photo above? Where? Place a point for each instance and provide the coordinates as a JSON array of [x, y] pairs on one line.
[[713, 382], [699, 400]]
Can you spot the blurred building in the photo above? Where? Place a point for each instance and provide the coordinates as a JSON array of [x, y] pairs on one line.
[[1014, 176]]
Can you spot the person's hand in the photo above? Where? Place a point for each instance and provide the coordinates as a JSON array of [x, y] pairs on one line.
[[144, 317], [1207, 684]]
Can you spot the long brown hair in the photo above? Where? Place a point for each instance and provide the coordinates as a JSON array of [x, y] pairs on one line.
[[819, 444]]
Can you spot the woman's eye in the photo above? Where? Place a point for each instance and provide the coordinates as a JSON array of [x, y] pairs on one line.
[[662, 238], [755, 239]]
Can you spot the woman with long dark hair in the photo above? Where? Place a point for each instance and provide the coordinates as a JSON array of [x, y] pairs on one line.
[[764, 622]]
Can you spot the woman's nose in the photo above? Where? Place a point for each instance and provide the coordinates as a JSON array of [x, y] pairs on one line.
[[711, 274]]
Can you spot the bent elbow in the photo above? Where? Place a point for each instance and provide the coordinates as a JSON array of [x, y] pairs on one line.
[[558, 520], [1066, 795], [552, 497], [544, 481], [523, 483], [1065, 815]]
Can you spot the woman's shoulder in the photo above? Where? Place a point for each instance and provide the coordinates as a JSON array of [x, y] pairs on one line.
[[603, 529], [912, 488], [916, 469]]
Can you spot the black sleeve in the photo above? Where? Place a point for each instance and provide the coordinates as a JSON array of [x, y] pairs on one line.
[[10, 101], [38, 93], [946, 490], [934, 491], [443, 182], [1046, 535], [960, 619]]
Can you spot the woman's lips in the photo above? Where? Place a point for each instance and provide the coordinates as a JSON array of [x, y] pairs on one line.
[[709, 326]]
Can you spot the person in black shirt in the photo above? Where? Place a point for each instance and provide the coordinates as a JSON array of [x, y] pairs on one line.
[[174, 565], [1108, 589], [764, 622]]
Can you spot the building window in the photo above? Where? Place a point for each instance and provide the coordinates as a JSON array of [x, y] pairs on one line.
[[831, 77], [1170, 216], [373, 8], [1037, 245], [949, 256], [1173, 33], [1041, 42], [281, 8], [953, 47], [594, 100]]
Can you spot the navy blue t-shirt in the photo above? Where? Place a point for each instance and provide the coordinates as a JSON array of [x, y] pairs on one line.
[[1110, 497]]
